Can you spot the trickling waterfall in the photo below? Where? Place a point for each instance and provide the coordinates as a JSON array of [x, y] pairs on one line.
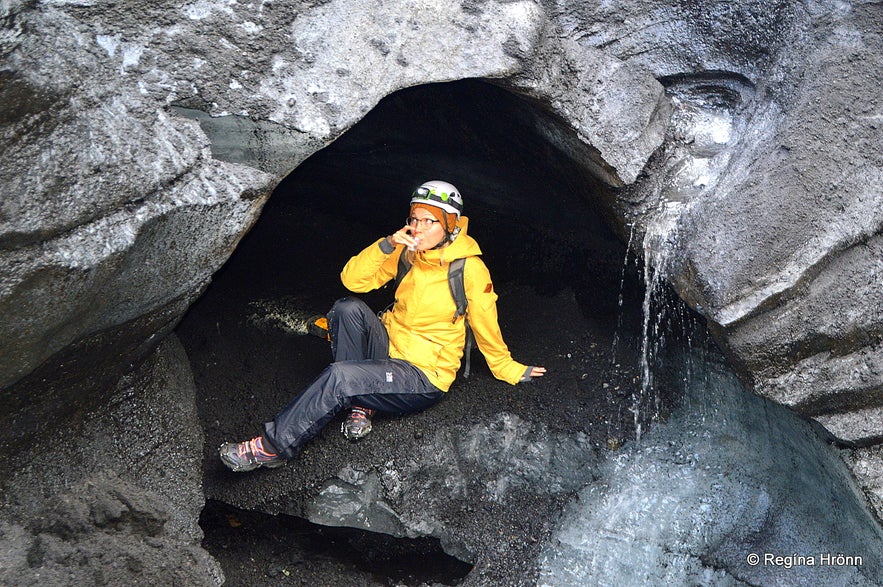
[[657, 245], [727, 479], [625, 264], [706, 125]]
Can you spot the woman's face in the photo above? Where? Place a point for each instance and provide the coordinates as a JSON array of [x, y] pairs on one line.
[[427, 229]]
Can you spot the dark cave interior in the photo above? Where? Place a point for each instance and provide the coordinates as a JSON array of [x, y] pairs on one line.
[[536, 214], [534, 211], [285, 544]]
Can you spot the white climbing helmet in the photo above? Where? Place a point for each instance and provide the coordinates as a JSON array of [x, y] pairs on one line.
[[440, 194]]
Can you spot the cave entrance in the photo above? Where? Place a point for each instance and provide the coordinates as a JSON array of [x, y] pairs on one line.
[[566, 299]]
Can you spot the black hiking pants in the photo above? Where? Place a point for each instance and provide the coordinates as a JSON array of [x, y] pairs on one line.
[[362, 374]]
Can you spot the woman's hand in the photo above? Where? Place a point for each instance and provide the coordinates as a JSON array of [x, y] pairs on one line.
[[404, 236], [533, 372]]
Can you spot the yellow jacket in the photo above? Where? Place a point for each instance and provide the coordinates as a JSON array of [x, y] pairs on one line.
[[421, 324]]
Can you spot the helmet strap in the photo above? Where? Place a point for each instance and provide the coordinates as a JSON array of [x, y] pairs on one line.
[[450, 233]]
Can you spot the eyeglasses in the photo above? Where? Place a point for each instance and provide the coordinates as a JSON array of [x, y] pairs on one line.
[[423, 222]]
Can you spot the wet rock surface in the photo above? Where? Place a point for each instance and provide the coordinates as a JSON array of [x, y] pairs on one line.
[[790, 139]]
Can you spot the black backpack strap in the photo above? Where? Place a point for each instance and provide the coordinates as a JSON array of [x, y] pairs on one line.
[[457, 283], [467, 350], [404, 267]]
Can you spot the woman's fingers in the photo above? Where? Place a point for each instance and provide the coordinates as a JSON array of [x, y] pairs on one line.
[[404, 236]]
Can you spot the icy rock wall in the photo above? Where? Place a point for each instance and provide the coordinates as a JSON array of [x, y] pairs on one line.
[[731, 490]]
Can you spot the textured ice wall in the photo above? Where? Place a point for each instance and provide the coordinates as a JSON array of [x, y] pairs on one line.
[[729, 477]]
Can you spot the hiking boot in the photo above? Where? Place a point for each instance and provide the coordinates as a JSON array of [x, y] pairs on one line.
[[249, 455], [358, 424]]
